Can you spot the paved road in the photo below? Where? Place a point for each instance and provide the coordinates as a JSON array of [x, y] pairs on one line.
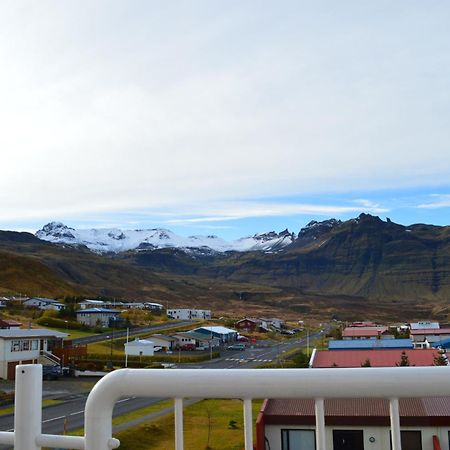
[[132, 332], [73, 409]]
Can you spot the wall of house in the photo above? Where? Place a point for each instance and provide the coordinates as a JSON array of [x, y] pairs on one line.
[[7, 355], [135, 350], [381, 435]]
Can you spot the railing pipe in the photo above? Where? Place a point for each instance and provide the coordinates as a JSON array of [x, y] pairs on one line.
[[179, 434], [28, 407], [248, 424], [320, 424], [394, 412], [55, 441], [383, 382]]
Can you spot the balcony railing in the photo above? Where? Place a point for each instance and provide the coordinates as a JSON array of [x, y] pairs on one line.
[[246, 384]]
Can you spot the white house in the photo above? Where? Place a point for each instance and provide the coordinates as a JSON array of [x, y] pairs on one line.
[[139, 347], [29, 346], [353, 424], [43, 303], [189, 314], [96, 316], [153, 306]]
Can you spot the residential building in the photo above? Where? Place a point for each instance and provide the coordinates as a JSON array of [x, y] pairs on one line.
[[353, 424], [376, 357], [424, 325], [6, 324], [378, 332], [193, 340], [97, 317], [29, 346], [189, 314], [222, 333], [368, 344], [429, 336], [43, 303], [153, 306], [250, 324]]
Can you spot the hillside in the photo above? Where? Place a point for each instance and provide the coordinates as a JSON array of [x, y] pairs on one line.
[[340, 268]]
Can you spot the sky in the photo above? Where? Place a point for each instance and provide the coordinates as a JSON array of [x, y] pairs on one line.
[[225, 118]]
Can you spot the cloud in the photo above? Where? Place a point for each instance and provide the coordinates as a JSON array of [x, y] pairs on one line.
[[111, 106], [440, 201], [245, 210]]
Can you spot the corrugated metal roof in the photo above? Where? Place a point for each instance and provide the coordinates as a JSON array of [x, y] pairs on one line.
[[377, 357], [98, 311], [363, 331], [369, 344], [15, 333], [438, 331], [360, 407]]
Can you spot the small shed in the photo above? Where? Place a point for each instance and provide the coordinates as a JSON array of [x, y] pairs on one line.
[[139, 347]]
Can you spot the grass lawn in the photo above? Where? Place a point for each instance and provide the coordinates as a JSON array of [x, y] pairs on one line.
[[73, 334], [159, 434]]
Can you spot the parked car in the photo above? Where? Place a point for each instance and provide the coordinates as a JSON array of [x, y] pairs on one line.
[[51, 372], [187, 347], [240, 347], [243, 338]]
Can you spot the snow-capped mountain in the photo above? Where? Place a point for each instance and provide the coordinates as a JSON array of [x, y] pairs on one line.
[[107, 240]]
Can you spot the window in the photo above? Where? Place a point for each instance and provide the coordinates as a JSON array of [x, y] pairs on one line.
[[298, 440], [25, 345], [411, 440], [34, 344], [15, 346]]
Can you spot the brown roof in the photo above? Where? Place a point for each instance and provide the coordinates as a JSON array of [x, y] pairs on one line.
[[359, 411], [377, 357], [363, 331]]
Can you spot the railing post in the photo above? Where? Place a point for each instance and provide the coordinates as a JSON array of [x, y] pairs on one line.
[[179, 433], [28, 407], [394, 412], [248, 424], [320, 424]]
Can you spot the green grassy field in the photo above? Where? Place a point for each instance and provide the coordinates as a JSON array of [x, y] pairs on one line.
[[211, 417]]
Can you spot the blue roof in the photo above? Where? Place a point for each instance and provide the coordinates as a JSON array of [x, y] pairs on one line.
[[445, 343], [98, 311], [369, 344]]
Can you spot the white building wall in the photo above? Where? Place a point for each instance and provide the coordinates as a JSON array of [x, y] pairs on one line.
[[381, 435], [139, 350]]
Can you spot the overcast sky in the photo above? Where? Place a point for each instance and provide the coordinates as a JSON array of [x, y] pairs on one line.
[[223, 117]]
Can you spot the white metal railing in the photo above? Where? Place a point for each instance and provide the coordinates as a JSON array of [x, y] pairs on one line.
[[246, 384]]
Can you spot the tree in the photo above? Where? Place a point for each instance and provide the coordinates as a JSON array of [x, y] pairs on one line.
[[440, 359], [404, 360], [366, 363], [301, 360]]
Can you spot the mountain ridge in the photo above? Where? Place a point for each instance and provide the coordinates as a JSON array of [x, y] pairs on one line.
[[351, 266], [114, 240]]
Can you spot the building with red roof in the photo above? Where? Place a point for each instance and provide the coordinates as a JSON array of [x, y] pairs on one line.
[[378, 332], [376, 357]]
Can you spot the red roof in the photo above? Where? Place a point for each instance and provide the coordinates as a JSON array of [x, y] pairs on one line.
[[359, 411], [363, 331], [377, 357], [430, 331]]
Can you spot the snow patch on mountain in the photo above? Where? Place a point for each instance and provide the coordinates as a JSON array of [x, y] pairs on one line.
[[113, 240]]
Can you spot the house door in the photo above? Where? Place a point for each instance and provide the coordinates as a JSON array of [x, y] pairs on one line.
[[348, 440]]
